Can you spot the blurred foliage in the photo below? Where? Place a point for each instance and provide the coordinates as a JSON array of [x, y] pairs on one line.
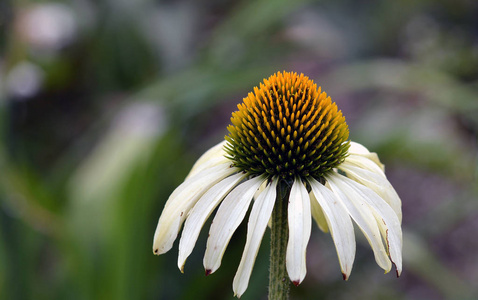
[[105, 105]]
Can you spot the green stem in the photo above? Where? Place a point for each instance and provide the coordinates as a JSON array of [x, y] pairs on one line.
[[278, 279]]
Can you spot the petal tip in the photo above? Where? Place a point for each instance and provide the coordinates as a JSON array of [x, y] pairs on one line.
[[208, 272], [296, 282], [398, 271], [345, 277]]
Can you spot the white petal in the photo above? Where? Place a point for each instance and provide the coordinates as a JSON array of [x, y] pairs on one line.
[[181, 201], [210, 158], [362, 214], [200, 212], [300, 223], [357, 148], [360, 150], [387, 220], [228, 217], [261, 189], [341, 227], [318, 213], [378, 184], [260, 214], [365, 163]]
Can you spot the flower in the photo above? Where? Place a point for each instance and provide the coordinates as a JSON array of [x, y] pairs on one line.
[[286, 132]]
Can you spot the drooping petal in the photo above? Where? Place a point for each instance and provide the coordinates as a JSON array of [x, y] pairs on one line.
[[357, 148], [181, 201], [360, 150], [260, 214], [386, 218], [260, 189], [200, 212], [318, 213], [212, 157], [230, 214], [377, 183], [364, 163], [300, 223], [341, 227], [362, 214]]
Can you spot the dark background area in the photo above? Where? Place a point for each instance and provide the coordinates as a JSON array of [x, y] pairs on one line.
[[105, 106]]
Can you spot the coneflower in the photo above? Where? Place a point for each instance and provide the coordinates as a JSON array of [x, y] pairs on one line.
[[287, 149]]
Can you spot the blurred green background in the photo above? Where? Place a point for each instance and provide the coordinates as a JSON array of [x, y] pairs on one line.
[[105, 105]]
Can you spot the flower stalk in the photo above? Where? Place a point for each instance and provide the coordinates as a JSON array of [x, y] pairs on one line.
[[279, 282]]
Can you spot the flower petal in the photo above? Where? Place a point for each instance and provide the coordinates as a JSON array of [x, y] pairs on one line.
[[365, 163], [260, 214], [362, 215], [360, 150], [200, 212], [212, 157], [357, 148], [318, 213], [300, 223], [181, 201], [387, 220], [228, 217], [378, 184], [341, 227]]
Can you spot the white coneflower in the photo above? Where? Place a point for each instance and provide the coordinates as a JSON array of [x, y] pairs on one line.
[[287, 141]]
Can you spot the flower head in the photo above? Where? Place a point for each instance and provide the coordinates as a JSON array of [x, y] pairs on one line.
[[286, 132], [287, 128]]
